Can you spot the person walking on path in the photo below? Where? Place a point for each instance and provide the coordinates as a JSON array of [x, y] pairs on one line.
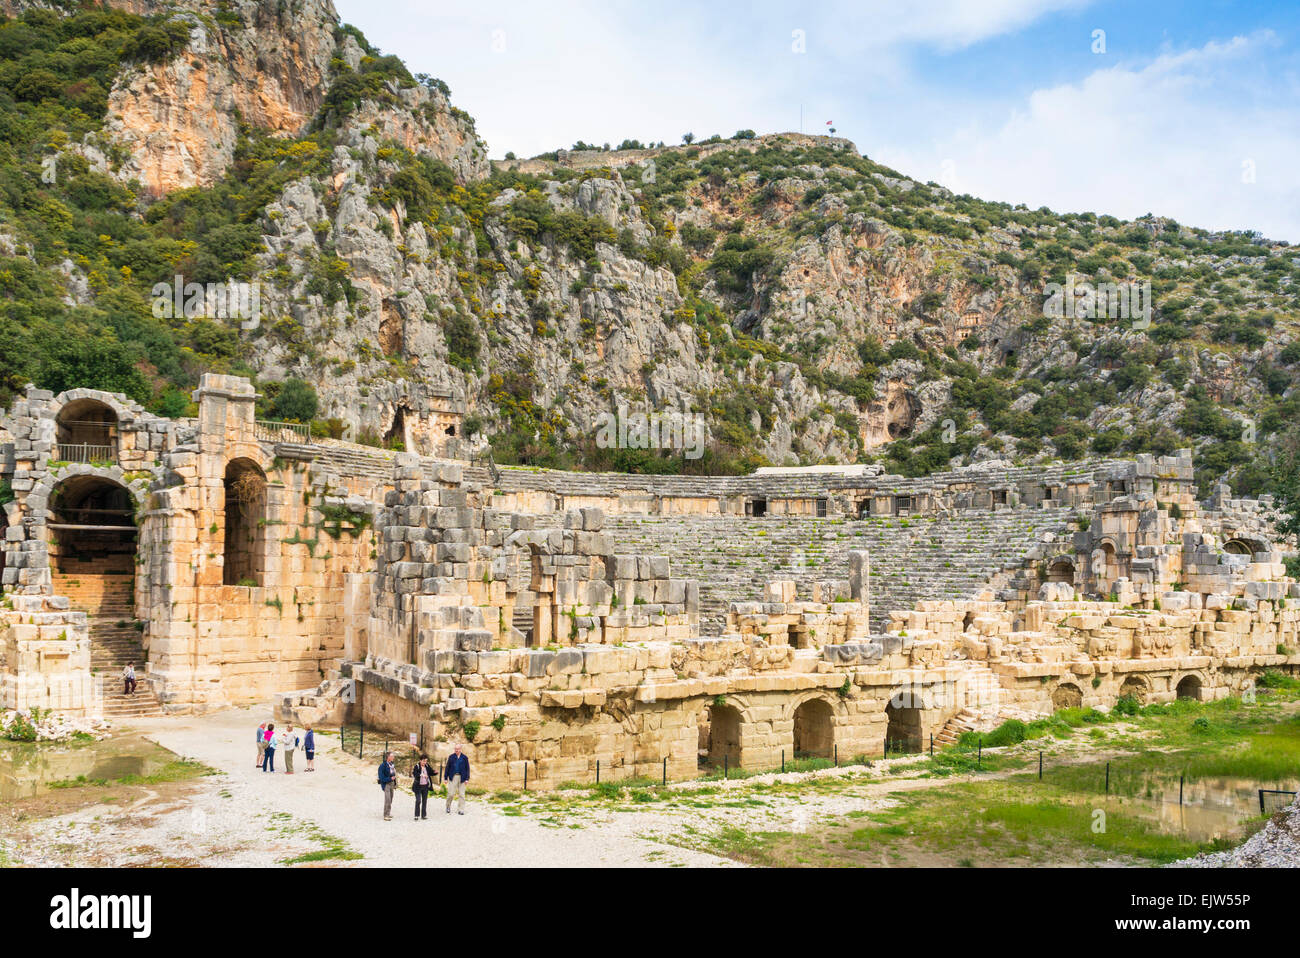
[[128, 679], [388, 782], [423, 775], [456, 775], [261, 744], [309, 746], [288, 742], [268, 763]]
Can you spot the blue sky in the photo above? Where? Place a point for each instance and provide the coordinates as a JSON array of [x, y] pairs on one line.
[[1192, 110]]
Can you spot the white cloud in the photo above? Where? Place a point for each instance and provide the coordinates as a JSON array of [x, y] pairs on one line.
[[1172, 137]]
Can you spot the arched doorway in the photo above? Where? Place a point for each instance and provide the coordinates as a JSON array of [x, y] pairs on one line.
[[1244, 547], [1108, 572], [1189, 687], [1133, 688], [1067, 696], [86, 431], [92, 527], [245, 511], [719, 735], [1061, 570], [903, 728], [814, 730]]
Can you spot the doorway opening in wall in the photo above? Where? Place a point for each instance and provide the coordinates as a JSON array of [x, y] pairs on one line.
[[1189, 687], [903, 728], [86, 431], [719, 736], [1135, 689], [821, 508], [1239, 547], [244, 555], [864, 509], [1067, 696], [756, 508], [395, 438], [999, 497], [903, 506], [814, 730], [1060, 570]]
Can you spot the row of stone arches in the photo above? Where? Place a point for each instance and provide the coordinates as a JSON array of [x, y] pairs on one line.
[[93, 526], [721, 728], [1069, 695], [720, 732]]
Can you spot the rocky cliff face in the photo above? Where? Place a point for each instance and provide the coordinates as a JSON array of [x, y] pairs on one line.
[[265, 63]]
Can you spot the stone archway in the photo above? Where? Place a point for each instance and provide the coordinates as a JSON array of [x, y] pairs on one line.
[[814, 729], [85, 430], [1061, 569], [903, 730], [1189, 687], [244, 552], [1244, 546], [1134, 688], [92, 527], [1067, 695]]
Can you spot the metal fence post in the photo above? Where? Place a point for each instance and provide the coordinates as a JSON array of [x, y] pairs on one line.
[[837, 755], [1261, 801], [979, 755], [782, 760], [724, 765], [1180, 789], [932, 745], [525, 776], [1040, 765], [665, 770], [1108, 778], [597, 771]]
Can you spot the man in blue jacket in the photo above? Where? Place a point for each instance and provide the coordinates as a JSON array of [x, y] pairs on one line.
[[456, 775], [388, 782]]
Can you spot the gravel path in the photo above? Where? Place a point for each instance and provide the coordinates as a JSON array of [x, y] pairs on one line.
[[341, 800]]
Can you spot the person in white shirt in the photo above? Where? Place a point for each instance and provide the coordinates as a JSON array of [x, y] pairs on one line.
[[288, 742], [128, 679]]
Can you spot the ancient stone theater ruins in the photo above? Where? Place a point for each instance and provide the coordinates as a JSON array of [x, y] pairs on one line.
[[651, 623]]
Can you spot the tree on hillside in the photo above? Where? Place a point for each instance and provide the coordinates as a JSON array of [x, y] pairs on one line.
[[1285, 486]]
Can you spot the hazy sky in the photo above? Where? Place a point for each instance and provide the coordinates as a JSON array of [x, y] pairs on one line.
[[1185, 109]]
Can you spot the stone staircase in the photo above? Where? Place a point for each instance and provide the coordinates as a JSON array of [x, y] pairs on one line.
[[955, 727], [109, 601], [734, 557]]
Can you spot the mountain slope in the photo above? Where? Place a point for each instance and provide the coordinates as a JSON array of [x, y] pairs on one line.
[[811, 304]]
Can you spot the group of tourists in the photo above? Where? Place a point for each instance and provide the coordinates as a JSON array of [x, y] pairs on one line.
[[286, 743], [454, 776]]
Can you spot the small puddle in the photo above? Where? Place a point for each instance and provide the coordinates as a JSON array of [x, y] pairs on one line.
[[1210, 808], [28, 769]]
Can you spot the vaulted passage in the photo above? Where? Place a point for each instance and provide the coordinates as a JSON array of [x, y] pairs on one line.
[[86, 431], [1189, 688], [720, 735], [245, 508], [92, 527], [1067, 696], [903, 733], [1135, 689], [814, 731]]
